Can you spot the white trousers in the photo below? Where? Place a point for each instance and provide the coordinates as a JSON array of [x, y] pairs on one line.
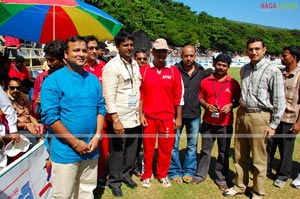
[[75, 180]]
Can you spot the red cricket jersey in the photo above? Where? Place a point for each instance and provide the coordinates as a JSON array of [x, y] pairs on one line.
[[96, 70], [220, 94], [161, 91]]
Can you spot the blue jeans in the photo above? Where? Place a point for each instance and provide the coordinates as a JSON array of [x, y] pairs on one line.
[[190, 160]]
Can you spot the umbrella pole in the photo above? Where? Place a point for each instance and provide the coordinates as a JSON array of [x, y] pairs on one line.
[[53, 25]]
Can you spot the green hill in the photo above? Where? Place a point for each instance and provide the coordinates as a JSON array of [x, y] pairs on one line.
[[179, 25]]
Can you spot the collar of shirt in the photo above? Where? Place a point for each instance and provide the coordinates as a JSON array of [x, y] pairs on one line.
[[227, 79], [167, 65], [123, 60], [180, 66], [292, 74], [259, 64], [92, 66]]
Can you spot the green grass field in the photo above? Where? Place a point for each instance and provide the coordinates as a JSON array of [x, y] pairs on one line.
[[206, 189]]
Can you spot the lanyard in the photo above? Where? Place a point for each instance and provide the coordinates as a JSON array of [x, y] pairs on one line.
[[130, 75], [215, 91]]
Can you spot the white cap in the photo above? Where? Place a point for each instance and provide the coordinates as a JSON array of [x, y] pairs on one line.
[[160, 44], [12, 149]]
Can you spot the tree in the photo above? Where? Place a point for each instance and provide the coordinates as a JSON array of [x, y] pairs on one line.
[[179, 25]]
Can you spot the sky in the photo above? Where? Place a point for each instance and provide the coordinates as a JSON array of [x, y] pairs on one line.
[[275, 13]]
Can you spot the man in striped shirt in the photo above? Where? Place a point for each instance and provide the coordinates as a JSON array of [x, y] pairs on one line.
[[289, 125], [262, 105]]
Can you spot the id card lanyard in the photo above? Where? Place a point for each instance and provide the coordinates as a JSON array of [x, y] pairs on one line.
[[130, 75], [131, 97], [217, 95]]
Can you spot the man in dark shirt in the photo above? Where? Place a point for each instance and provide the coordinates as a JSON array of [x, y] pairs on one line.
[[192, 74]]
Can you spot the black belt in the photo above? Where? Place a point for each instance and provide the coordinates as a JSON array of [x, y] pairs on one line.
[[255, 110]]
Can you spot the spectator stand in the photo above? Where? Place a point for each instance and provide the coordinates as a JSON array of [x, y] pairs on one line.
[[34, 57]]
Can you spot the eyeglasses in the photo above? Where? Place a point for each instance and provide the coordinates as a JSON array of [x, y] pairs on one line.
[[15, 87], [142, 58], [92, 47]]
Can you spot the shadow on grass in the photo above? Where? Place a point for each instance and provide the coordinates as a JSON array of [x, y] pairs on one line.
[[275, 165]]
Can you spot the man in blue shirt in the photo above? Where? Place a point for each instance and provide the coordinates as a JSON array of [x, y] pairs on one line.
[[73, 108]]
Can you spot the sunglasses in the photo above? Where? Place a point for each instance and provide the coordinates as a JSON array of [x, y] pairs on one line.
[[92, 47], [15, 87], [140, 58]]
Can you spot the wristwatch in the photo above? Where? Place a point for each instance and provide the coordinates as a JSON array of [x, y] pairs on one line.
[[99, 136]]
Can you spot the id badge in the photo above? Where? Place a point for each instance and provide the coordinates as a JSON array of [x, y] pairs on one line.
[[131, 100], [215, 114]]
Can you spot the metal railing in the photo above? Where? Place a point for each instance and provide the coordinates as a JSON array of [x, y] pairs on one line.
[[30, 54]]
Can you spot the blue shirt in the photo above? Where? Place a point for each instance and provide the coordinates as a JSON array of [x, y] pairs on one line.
[[76, 101]]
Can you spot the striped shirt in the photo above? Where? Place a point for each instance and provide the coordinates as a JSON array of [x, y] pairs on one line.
[[262, 87], [292, 96]]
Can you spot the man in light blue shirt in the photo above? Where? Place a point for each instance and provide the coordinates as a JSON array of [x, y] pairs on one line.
[[73, 108]]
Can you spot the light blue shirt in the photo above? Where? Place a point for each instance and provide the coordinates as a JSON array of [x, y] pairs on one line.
[[76, 101]]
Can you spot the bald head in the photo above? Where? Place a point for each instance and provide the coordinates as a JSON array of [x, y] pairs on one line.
[[188, 55]]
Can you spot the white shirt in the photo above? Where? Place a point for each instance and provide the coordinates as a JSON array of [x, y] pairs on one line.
[[9, 112]]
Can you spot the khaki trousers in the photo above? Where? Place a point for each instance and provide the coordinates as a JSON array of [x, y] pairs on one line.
[[249, 137], [74, 180]]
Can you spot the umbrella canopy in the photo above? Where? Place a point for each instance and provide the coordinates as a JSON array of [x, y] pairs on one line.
[[43, 21]]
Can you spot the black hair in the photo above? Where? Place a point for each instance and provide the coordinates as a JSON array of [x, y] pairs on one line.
[[223, 58], [19, 59], [73, 39], [89, 38], [255, 39], [139, 51], [16, 79], [102, 45], [122, 36], [293, 51], [55, 49]]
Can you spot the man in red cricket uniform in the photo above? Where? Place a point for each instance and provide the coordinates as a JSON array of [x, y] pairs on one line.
[[93, 64], [160, 111]]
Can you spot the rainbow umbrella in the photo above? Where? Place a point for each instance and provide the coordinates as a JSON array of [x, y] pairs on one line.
[[43, 21]]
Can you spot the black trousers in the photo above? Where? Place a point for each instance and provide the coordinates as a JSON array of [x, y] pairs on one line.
[[285, 140], [122, 151], [209, 134]]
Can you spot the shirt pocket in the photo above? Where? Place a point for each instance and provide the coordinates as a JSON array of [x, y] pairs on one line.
[[126, 80], [290, 92]]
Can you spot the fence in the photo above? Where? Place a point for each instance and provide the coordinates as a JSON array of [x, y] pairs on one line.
[[34, 57]]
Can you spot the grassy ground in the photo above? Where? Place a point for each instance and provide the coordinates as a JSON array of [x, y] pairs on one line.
[[206, 189]]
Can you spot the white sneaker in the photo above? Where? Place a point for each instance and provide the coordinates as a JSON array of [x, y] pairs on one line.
[[146, 183], [165, 182], [296, 182], [279, 183]]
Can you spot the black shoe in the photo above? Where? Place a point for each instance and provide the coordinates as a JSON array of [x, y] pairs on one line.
[[116, 191], [102, 183], [136, 172], [130, 183]]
